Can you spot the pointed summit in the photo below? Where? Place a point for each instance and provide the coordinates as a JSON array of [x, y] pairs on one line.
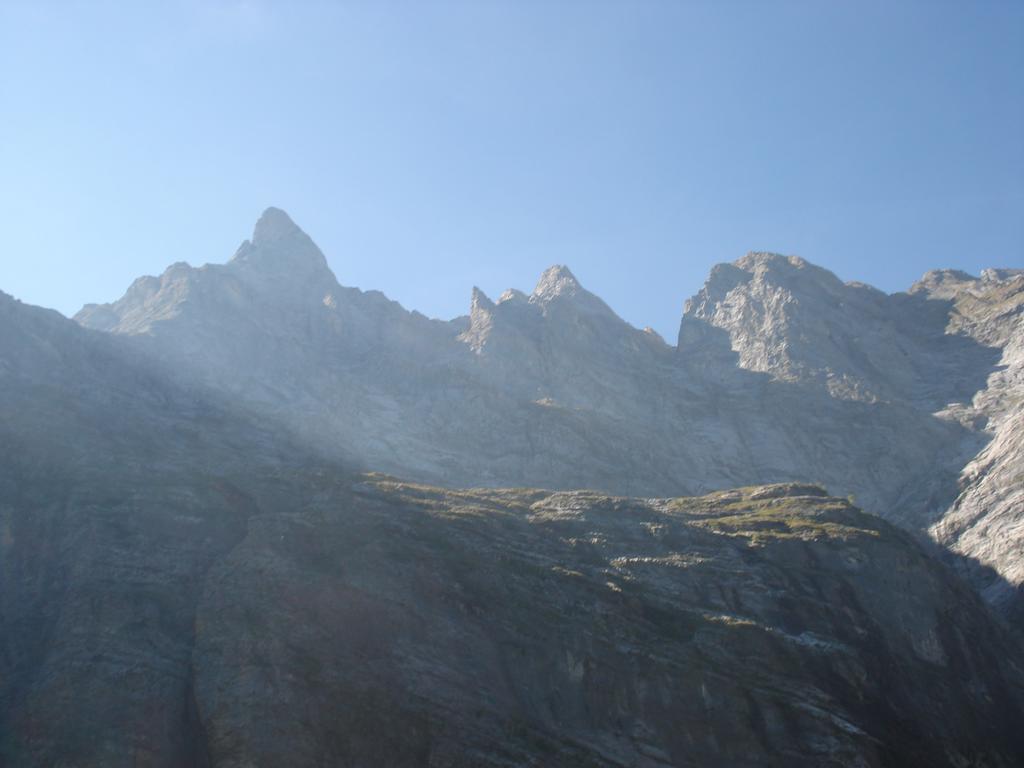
[[480, 301], [279, 245], [557, 285], [272, 226], [556, 281], [513, 296]]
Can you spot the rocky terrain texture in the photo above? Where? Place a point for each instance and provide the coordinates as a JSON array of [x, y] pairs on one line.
[[197, 569], [115, 499], [782, 373], [986, 522], [767, 626], [183, 583], [953, 347]]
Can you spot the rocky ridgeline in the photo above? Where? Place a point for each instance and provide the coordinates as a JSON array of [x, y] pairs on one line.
[[194, 570], [782, 372], [182, 585]]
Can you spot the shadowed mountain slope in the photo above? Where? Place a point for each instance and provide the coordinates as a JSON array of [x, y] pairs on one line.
[[782, 373], [767, 626], [184, 583]]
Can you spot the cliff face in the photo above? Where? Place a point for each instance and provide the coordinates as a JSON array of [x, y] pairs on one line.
[[952, 348], [394, 624], [797, 322], [986, 520], [183, 581], [312, 617], [114, 501], [782, 373]]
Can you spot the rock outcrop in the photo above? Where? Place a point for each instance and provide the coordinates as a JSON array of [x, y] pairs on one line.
[[986, 522], [953, 348], [116, 497]]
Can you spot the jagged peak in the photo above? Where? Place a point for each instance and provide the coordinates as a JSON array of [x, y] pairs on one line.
[[948, 274], [558, 285], [555, 281], [278, 242], [273, 225], [480, 301], [755, 259], [787, 270], [999, 274], [758, 269], [513, 296], [938, 280], [724, 277]]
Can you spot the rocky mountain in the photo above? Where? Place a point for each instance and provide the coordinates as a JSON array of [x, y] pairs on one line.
[[182, 582], [116, 497], [953, 346], [986, 522], [494, 628], [197, 567], [781, 373], [797, 322]]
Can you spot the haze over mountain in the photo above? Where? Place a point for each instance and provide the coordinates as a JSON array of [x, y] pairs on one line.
[[182, 583], [910, 402], [202, 564]]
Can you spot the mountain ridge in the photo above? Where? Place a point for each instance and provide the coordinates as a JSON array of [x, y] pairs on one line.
[[191, 543], [194, 574], [781, 372]]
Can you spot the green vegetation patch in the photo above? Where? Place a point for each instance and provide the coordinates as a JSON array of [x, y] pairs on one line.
[[472, 501], [786, 518]]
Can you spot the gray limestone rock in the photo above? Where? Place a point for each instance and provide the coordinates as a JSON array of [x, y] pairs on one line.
[[194, 572], [782, 372]]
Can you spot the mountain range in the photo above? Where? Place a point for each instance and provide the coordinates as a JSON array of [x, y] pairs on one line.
[[911, 402], [232, 532]]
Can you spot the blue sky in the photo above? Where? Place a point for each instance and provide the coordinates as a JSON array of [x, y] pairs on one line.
[[428, 147]]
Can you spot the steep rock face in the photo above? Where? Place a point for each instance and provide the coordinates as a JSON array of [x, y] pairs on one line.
[[798, 322], [986, 522], [782, 373], [115, 497], [769, 626], [273, 329], [239, 323], [530, 398], [952, 348], [183, 583], [551, 389], [564, 347]]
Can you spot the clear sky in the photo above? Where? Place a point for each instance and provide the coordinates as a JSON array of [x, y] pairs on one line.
[[428, 147]]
